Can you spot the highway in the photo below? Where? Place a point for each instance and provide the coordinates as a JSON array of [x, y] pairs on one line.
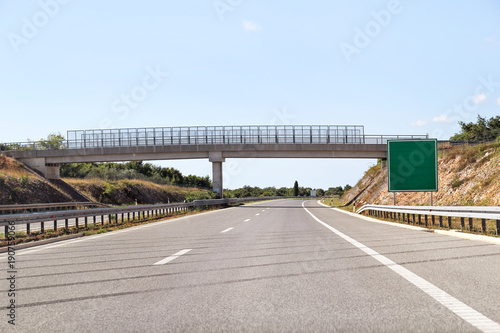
[[276, 266]]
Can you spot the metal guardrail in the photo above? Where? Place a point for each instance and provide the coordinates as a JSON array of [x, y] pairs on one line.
[[112, 213], [413, 214], [210, 135], [45, 206]]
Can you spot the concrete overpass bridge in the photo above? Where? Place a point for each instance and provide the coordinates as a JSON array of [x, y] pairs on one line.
[[215, 143]]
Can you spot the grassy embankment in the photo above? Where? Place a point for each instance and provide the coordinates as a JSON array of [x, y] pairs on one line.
[[20, 186]]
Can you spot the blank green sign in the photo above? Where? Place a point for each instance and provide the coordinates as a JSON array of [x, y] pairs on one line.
[[412, 165]]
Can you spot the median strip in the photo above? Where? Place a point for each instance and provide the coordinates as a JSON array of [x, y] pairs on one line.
[[172, 257]]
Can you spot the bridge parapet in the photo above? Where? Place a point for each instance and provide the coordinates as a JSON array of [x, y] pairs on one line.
[[210, 135]]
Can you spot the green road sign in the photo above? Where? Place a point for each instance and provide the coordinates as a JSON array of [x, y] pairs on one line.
[[412, 165]]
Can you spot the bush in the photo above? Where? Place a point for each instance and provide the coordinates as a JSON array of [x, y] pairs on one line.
[[201, 195]]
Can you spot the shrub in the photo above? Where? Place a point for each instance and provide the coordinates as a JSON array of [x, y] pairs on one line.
[[25, 180], [456, 182]]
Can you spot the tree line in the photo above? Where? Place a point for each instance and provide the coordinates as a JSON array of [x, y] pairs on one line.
[[133, 170], [483, 130], [255, 191]]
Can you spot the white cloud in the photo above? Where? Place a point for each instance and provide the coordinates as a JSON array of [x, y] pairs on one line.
[[442, 118], [250, 26], [491, 39], [479, 99], [419, 123]]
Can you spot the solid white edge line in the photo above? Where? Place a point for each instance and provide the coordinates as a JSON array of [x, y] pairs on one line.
[[172, 257], [461, 309], [226, 230]]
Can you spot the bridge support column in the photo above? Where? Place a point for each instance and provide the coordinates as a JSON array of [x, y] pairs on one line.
[[49, 171], [217, 159]]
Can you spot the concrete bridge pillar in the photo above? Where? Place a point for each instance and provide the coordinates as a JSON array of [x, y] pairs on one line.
[[217, 159], [49, 171]]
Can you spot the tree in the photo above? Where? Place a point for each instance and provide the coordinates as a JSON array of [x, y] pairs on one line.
[[296, 189], [483, 130], [53, 141]]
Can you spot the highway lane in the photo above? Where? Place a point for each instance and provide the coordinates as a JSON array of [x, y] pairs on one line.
[[263, 267]]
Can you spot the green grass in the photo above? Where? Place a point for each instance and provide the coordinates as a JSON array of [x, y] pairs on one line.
[[332, 202]]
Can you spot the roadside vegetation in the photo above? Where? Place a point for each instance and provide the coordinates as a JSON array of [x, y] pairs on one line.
[[484, 130]]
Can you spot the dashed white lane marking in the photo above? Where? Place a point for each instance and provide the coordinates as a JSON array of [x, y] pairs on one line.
[[263, 210], [257, 214], [461, 309], [172, 257], [247, 220], [228, 229]]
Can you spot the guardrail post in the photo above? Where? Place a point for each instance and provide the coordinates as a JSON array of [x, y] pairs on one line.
[[483, 225], [413, 218], [109, 219], [55, 225], [419, 219], [498, 227], [102, 220], [28, 229], [76, 223], [449, 222], [433, 218], [471, 224], [86, 222], [6, 232], [66, 224], [42, 227], [462, 223], [93, 219], [440, 221], [426, 223]]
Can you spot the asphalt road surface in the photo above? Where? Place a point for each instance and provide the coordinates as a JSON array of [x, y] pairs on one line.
[[278, 266]]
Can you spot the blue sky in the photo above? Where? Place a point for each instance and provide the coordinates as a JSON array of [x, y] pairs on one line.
[[396, 67]]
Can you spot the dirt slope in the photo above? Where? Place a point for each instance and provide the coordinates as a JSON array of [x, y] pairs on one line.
[[20, 186]]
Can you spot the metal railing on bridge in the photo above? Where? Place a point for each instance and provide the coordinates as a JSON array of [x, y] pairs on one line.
[[210, 135]]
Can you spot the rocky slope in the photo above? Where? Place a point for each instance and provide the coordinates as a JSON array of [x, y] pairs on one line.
[[468, 176]]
